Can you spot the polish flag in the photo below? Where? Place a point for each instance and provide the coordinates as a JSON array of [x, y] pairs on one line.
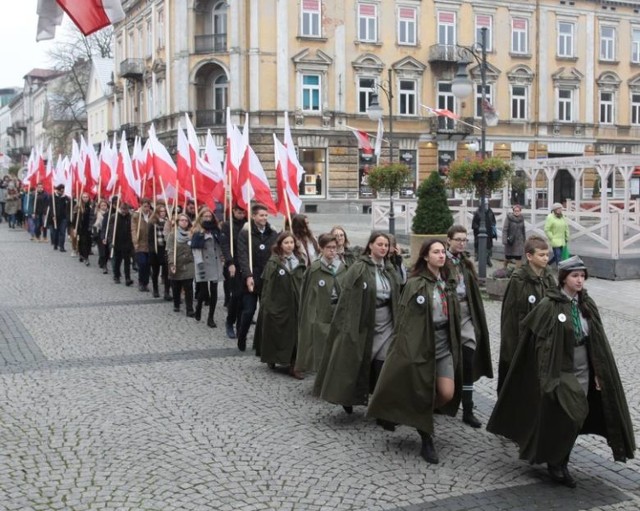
[[92, 15], [214, 164], [185, 172], [89, 166], [108, 164], [235, 153], [32, 170], [363, 141], [443, 112], [127, 184], [284, 187], [295, 170], [164, 168], [378, 148]]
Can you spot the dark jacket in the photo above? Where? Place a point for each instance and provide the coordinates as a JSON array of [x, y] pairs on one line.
[[226, 238], [42, 203], [123, 242], [513, 235], [61, 210], [405, 392], [490, 224], [261, 243], [542, 406]]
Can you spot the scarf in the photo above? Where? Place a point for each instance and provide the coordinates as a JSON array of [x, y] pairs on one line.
[[182, 236]]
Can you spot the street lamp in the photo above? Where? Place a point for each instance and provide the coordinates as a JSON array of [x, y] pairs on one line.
[[462, 87], [374, 111]]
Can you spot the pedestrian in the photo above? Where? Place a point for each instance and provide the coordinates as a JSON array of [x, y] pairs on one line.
[[318, 298], [563, 381], [85, 223], [180, 258], [423, 370], [233, 282], [361, 329], [397, 261], [307, 244], [3, 196], [276, 338], [207, 259], [513, 236], [58, 216], [11, 207], [40, 213], [121, 245], [101, 214], [490, 229], [527, 286], [263, 236], [556, 228], [140, 238], [158, 251], [346, 255], [474, 334]]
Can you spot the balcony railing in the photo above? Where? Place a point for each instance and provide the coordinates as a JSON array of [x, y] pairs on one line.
[[211, 43], [447, 53], [131, 130], [445, 128], [132, 68], [206, 118]]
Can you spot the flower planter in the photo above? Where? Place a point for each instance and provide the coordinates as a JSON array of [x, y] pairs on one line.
[[496, 287]]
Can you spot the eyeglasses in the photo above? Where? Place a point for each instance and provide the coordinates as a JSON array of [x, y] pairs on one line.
[[459, 240]]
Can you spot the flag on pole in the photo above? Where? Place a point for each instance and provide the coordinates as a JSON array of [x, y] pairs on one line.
[[283, 183], [212, 157], [126, 180], [92, 15], [363, 140], [378, 148], [296, 171], [442, 112]]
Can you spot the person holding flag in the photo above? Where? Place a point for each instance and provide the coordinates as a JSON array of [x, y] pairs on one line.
[[58, 217], [140, 237], [232, 277]]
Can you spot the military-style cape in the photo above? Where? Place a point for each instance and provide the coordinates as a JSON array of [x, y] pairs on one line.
[[405, 391], [343, 375], [482, 359], [316, 313], [276, 334], [524, 291], [542, 407]]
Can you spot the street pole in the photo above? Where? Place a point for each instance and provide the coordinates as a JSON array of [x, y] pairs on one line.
[[482, 233], [389, 93]]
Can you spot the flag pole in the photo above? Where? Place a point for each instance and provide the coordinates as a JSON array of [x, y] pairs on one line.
[[175, 232], [28, 193], [195, 194], [286, 205], [230, 210], [140, 212], [108, 221], [115, 222], [53, 204], [250, 249], [166, 199]]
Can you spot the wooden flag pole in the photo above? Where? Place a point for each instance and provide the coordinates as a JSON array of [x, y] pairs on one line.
[[230, 209], [108, 221], [195, 194], [166, 200], [53, 204], [28, 195], [250, 250], [99, 187], [286, 205], [115, 222], [175, 232]]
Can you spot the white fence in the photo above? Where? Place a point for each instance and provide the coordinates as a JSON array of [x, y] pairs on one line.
[[612, 234]]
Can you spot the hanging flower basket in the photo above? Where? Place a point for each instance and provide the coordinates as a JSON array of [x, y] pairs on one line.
[[483, 176]]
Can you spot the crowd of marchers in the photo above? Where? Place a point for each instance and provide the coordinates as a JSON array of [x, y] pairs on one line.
[[408, 343]]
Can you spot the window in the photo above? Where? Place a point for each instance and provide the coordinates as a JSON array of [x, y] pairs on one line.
[[311, 18], [150, 103], [447, 100], [488, 96], [314, 162], [518, 102], [635, 109], [160, 28], [159, 97], [139, 42], [220, 90], [149, 43], [565, 39], [366, 87], [406, 25], [519, 35], [407, 97], [311, 93], [635, 46], [131, 49], [565, 105], [607, 43], [367, 23], [606, 107], [484, 21], [446, 28]]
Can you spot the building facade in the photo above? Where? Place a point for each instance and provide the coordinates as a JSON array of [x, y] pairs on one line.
[[563, 77]]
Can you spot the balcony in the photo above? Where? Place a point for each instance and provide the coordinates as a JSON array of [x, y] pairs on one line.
[[211, 43], [132, 69], [208, 118], [446, 53], [15, 153], [131, 130], [443, 128]]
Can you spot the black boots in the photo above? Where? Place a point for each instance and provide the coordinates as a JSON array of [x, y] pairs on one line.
[[428, 450], [560, 474], [467, 388]]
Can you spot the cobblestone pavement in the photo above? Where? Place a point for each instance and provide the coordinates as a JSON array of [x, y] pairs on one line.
[[110, 400]]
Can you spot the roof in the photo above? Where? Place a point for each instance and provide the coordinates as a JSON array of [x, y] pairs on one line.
[[103, 70], [43, 74]]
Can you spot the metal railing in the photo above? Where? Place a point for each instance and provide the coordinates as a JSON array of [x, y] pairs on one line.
[[211, 43], [206, 118]]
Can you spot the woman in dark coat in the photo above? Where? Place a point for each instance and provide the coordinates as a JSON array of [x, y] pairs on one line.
[[180, 259], [158, 251], [276, 338], [563, 381], [85, 224], [362, 328], [513, 236]]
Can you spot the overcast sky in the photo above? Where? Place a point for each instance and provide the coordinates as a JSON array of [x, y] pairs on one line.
[[19, 51]]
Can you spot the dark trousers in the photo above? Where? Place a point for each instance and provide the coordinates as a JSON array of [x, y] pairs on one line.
[[177, 286], [118, 257], [142, 259], [84, 244], [234, 303], [59, 233], [158, 264], [207, 290], [249, 306], [39, 227], [103, 254]]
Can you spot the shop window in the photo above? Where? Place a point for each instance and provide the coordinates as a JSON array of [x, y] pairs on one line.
[[314, 162]]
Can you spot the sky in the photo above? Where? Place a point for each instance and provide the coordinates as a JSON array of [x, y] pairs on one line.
[[19, 51]]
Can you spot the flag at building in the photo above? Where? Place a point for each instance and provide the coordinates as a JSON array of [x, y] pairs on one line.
[[88, 15], [364, 143]]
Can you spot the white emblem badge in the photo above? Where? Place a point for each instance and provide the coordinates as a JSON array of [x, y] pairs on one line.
[[532, 299], [261, 247], [281, 272], [420, 299], [321, 283], [562, 318], [364, 285]]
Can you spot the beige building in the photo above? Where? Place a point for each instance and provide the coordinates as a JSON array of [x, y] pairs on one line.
[[100, 101], [563, 76]]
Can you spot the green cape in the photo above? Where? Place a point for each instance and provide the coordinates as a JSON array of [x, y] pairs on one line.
[[276, 334], [524, 291], [343, 375], [482, 358], [542, 406], [316, 313], [406, 388]]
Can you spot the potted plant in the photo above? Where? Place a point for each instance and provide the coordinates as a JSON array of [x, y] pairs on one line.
[[432, 217], [389, 178], [496, 285], [482, 176]]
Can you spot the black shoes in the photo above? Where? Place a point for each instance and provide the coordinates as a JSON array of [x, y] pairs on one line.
[[156, 294], [191, 314], [560, 474], [167, 297], [469, 418], [242, 344], [348, 409], [143, 289], [230, 332], [386, 425], [176, 309], [198, 314], [116, 280], [128, 283], [62, 250], [211, 323], [428, 450]]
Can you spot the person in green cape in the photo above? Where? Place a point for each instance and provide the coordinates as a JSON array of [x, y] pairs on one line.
[[563, 381], [344, 252], [527, 286], [476, 350], [423, 370], [276, 337], [361, 330], [318, 299]]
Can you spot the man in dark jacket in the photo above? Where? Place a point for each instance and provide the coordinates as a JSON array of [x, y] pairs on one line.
[[122, 244], [262, 238], [58, 218], [491, 228], [40, 209], [232, 279]]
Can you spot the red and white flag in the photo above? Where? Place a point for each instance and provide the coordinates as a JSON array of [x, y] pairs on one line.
[[235, 152], [185, 172], [443, 112], [214, 163], [363, 141], [378, 148], [164, 169], [88, 15], [127, 185], [295, 170], [284, 187]]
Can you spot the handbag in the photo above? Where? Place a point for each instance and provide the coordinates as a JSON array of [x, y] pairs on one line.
[[565, 253]]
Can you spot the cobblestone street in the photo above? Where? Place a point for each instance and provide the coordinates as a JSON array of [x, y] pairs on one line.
[[112, 401]]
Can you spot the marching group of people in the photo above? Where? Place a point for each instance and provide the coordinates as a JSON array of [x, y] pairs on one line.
[[408, 344]]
